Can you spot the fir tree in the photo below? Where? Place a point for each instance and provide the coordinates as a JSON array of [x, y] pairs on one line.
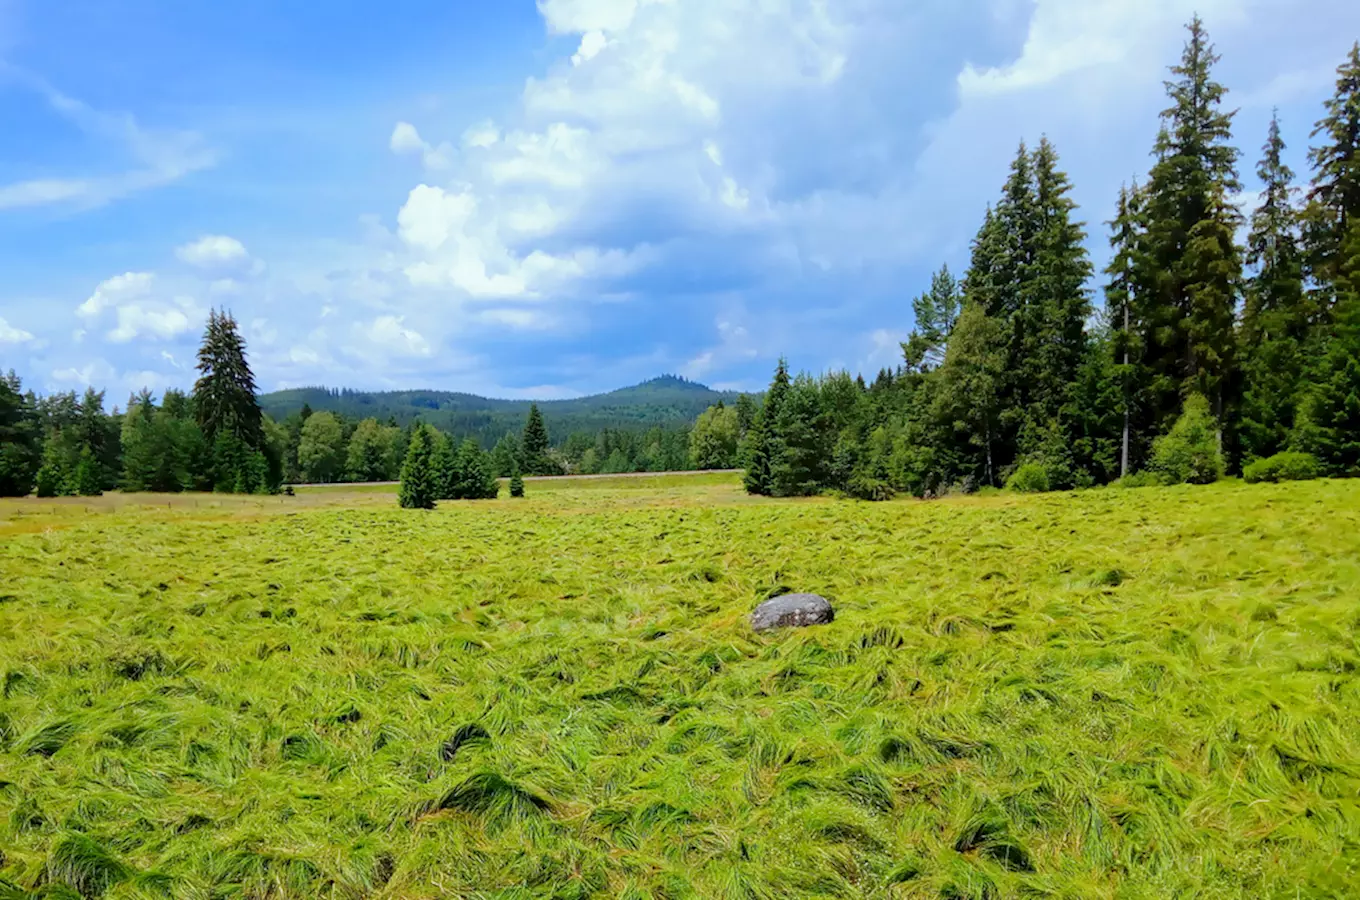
[[89, 478], [505, 455], [1275, 319], [472, 475], [534, 445], [224, 395], [799, 467], [418, 490], [1192, 264], [1334, 201], [516, 482]]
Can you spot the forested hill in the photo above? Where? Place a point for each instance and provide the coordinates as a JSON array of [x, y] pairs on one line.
[[669, 400]]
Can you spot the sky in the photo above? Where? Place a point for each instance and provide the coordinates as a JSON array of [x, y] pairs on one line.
[[550, 199]]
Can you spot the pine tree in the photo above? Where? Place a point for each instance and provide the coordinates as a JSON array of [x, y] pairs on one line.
[[1191, 263], [1334, 201], [763, 445], [89, 477], [516, 482], [505, 455], [19, 445], [799, 468], [476, 480], [225, 394], [534, 445], [1275, 319], [417, 473], [969, 402]]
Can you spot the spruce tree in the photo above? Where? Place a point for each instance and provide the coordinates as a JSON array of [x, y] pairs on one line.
[[516, 482], [1334, 201], [763, 445], [19, 444], [1275, 319], [1124, 299], [935, 313], [418, 489], [89, 476], [443, 466], [969, 401], [225, 395], [1056, 297], [534, 445], [1191, 262], [804, 441], [479, 481]]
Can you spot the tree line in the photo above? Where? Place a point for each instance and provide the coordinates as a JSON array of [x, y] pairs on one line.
[[1208, 355], [216, 438]]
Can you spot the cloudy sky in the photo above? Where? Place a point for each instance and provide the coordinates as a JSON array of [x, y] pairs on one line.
[[557, 198]]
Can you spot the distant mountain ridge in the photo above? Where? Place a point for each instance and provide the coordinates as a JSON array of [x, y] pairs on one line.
[[665, 401]]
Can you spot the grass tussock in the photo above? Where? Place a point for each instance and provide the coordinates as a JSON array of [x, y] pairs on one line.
[[1107, 694]]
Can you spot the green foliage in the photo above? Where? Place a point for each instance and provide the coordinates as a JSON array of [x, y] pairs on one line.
[[1030, 478], [88, 480], [1283, 467], [516, 483], [1140, 480], [764, 444], [1190, 453], [374, 452], [321, 449], [935, 313], [472, 477], [419, 479], [713, 441]]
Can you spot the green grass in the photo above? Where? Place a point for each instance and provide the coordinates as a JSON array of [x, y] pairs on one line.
[[1120, 693]]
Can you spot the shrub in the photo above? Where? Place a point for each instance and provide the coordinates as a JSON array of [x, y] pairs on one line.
[[516, 484], [1189, 454], [1283, 467], [1139, 480], [1030, 478], [863, 487]]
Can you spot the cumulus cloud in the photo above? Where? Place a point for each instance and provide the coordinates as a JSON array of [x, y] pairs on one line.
[[10, 334], [138, 313], [406, 141], [214, 252]]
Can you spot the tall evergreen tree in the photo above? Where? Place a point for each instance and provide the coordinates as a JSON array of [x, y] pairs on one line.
[[1056, 296], [534, 445], [1334, 201], [20, 448], [1275, 318], [970, 399], [473, 478], [418, 489], [1124, 293], [225, 394], [1193, 265], [804, 432], [443, 465], [763, 444]]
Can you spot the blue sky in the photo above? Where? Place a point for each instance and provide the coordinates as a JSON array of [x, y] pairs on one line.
[[558, 198]]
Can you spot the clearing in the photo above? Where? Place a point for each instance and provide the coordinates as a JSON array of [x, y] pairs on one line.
[[1117, 693]]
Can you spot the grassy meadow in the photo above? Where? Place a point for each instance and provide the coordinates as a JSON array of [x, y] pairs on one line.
[[1112, 694]]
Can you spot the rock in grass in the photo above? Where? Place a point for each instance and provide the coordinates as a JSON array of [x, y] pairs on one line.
[[792, 611]]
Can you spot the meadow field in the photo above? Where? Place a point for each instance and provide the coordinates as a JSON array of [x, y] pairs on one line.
[[1109, 694]]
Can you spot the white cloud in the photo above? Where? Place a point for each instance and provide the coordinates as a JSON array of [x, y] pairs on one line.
[[137, 312], [136, 320], [482, 135], [214, 251], [390, 334], [406, 141], [10, 334], [115, 291], [517, 318]]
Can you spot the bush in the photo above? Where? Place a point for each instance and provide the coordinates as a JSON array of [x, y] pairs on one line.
[[1190, 454], [1139, 480], [863, 487], [1030, 478], [516, 484], [1283, 467]]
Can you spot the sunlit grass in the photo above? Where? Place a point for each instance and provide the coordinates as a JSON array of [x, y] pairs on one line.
[[1146, 693]]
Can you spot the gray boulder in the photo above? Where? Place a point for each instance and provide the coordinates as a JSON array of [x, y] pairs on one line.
[[792, 611]]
